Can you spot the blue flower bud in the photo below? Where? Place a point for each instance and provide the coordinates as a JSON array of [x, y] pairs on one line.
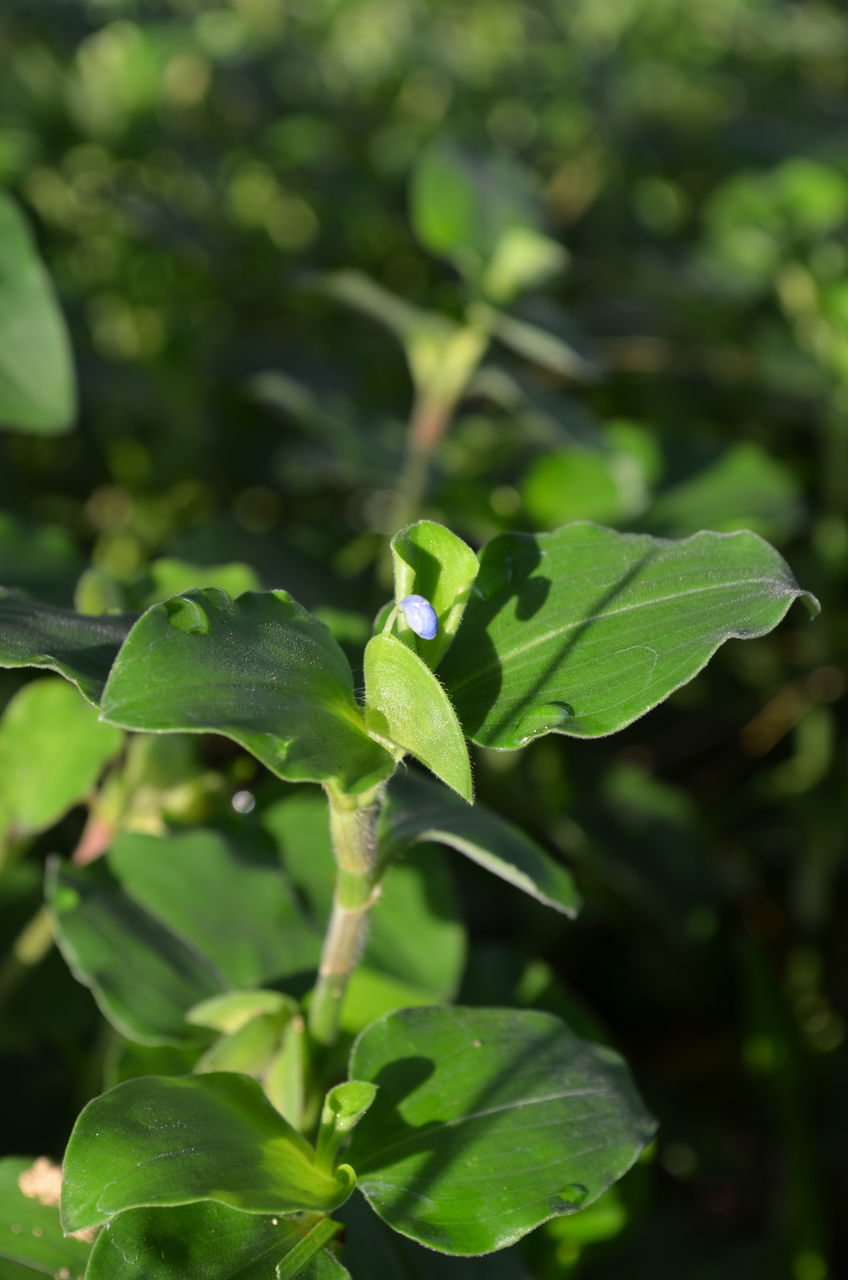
[[420, 615]]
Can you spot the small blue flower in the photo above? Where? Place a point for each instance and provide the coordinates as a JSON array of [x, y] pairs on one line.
[[420, 615]]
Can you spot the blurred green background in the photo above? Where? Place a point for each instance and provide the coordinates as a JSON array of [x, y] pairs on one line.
[[243, 206]]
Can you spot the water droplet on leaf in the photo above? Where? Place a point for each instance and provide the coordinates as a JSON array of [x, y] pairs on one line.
[[540, 720], [571, 1197], [188, 615]]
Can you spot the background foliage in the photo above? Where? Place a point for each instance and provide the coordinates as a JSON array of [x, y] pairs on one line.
[[197, 177]]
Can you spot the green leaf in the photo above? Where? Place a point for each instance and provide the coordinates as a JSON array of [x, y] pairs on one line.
[[37, 392], [260, 670], [522, 258], [235, 1009], [204, 1240], [405, 706], [547, 349], [52, 751], [487, 1123], [418, 810], [432, 562], [135, 928], [38, 635], [415, 951], [583, 630], [30, 1232], [161, 1141], [463, 204]]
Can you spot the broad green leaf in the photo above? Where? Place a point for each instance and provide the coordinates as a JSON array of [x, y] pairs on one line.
[[161, 1141], [406, 706], [30, 1232], [419, 810], [431, 561], [463, 204], [38, 635], [260, 670], [583, 630], [415, 951], [206, 1241], [487, 1123], [52, 751], [37, 392], [134, 927]]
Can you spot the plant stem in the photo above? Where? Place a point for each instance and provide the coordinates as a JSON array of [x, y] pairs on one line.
[[353, 831]]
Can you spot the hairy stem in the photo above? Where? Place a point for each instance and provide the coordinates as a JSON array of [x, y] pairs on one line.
[[353, 831]]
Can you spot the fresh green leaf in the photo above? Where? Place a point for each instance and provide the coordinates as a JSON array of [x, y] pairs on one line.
[[432, 562], [161, 1141], [487, 1123], [260, 670], [79, 648], [37, 392], [235, 1009], [135, 928], [419, 810], [583, 630], [522, 258], [30, 1232], [406, 706], [205, 1240]]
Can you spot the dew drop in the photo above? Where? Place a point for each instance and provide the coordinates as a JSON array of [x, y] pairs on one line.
[[572, 1196], [188, 615], [540, 720]]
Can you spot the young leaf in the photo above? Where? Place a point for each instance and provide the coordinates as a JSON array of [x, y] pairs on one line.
[[462, 205], [37, 392], [487, 1123], [30, 1232], [432, 562], [38, 635], [204, 1239], [583, 630], [163, 1141], [52, 750], [405, 706], [418, 810], [260, 670]]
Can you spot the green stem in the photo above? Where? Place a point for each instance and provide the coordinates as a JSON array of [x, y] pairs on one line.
[[353, 831]]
